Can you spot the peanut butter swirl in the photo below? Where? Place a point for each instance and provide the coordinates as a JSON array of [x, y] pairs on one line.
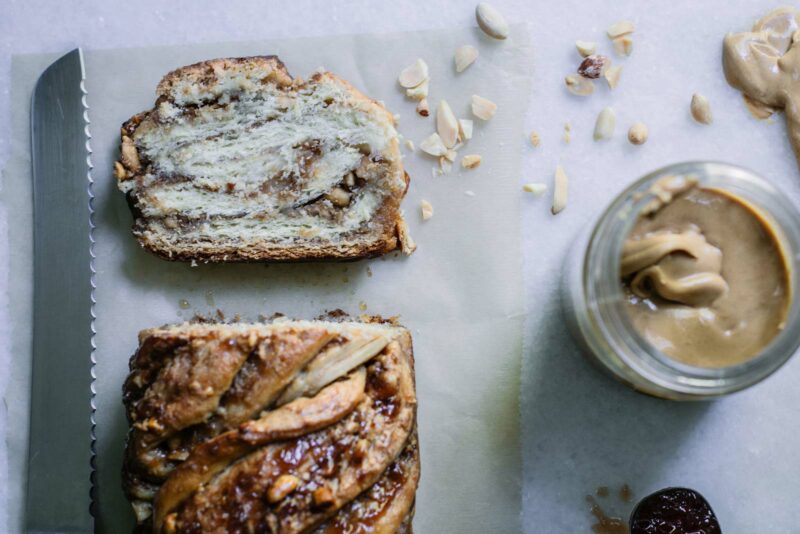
[[679, 267]]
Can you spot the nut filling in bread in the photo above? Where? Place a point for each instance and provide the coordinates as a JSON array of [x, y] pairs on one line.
[[287, 426], [237, 161]]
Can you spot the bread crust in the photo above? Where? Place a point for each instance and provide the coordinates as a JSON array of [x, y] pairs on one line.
[[389, 233]]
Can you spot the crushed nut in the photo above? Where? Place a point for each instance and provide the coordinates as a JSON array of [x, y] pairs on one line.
[[465, 128], [560, 191], [637, 135], [465, 56], [130, 157], [612, 75], [701, 109], [450, 155], [427, 210], [283, 486], [586, 48], [422, 107], [567, 132], [433, 145], [350, 179], [623, 27], [446, 124], [419, 92], [338, 197], [535, 139], [537, 189], [119, 171], [578, 85], [623, 45], [605, 124], [470, 161], [491, 21], [323, 497], [407, 244], [410, 145], [593, 66], [414, 74], [483, 108]]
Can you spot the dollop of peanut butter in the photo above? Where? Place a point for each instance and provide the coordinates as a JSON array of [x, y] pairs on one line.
[[705, 275], [681, 267], [764, 64]]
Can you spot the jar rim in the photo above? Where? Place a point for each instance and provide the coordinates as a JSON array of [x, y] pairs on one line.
[[604, 295]]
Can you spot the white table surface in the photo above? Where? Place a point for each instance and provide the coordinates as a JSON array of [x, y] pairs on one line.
[[580, 428]]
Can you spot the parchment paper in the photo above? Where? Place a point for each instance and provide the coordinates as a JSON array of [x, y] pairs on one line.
[[460, 293]]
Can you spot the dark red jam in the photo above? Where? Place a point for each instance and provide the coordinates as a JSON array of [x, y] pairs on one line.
[[674, 511]]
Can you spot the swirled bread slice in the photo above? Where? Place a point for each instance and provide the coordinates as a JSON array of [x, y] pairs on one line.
[[286, 426], [237, 161]]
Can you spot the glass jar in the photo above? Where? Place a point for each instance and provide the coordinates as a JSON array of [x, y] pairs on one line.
[[594, 301]]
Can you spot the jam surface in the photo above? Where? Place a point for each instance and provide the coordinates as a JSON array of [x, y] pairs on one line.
[[674, 511]]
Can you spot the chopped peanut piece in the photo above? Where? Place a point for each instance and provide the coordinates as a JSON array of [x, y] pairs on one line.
[[426, 209], [470, 161]]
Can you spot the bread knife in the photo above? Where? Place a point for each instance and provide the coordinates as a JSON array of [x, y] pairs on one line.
[[59, 453]]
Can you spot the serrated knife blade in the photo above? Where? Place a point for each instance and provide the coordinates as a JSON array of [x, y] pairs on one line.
[[59, 451]]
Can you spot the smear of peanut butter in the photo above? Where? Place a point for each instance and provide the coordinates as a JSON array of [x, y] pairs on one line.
[[764, 64]]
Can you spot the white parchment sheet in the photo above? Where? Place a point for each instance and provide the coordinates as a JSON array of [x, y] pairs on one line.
[[460, 293]]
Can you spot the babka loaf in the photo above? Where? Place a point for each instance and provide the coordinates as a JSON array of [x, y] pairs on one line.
[[282, 427], [237, 161]]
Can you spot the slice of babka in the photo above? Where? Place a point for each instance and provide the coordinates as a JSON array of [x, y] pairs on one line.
[[237, 161]]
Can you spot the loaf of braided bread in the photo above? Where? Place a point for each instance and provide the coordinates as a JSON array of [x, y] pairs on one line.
[[285, 426]]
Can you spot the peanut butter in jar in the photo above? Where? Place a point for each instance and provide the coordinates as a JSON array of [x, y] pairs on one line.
[[705, 277], [684, 286]]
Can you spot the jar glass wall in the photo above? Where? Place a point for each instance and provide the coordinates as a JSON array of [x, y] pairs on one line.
[[594, 299]]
